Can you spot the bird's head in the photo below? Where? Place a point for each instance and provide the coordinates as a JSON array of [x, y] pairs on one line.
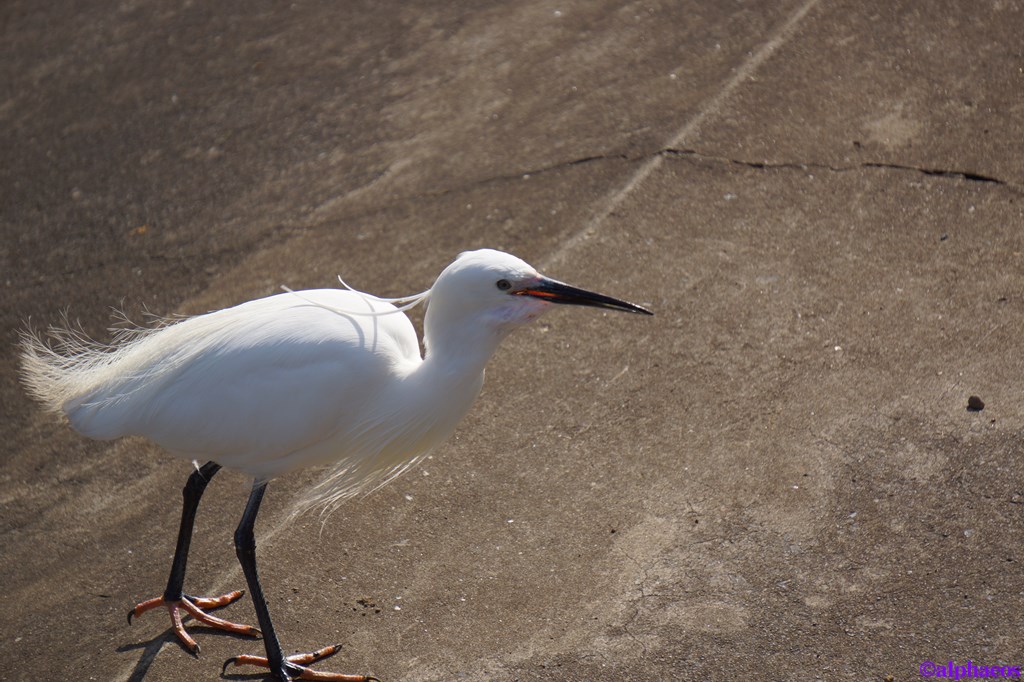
[[503, 291]]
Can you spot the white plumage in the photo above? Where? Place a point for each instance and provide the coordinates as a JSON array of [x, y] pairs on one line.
[[296, 379]]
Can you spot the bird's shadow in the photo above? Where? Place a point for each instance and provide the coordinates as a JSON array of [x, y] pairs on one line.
[[247, 676], [149, 651], [152, 647]]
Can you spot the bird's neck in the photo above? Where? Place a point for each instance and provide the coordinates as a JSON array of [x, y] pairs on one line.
[[456, 348]]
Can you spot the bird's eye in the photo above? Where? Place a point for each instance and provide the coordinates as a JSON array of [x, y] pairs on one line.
[[503, 284]]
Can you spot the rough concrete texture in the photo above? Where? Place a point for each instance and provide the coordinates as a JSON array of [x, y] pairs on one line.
[[774, 478]]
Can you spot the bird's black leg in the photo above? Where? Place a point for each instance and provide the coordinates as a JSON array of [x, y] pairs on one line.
[[282, 667], [174, 598], [191, 494], [245, 548]]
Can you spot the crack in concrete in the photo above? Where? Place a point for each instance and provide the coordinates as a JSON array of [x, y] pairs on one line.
[[784, 165], [672, 152]]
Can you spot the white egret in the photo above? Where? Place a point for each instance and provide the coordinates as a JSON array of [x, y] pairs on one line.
[[292, 380]]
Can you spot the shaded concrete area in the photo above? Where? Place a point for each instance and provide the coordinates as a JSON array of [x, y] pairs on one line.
[[776, 476]]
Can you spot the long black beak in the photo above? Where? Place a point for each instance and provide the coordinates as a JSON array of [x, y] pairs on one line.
[[553, 291]]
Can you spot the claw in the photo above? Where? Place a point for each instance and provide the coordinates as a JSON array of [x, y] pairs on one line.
[[224, 668]]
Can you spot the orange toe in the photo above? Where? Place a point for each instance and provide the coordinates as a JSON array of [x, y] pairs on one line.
[[194, 606]]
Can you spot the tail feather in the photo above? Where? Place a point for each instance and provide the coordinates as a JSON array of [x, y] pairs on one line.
[[72, 369], [50, 376]]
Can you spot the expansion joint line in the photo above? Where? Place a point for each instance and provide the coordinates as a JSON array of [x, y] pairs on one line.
[[708, 109]]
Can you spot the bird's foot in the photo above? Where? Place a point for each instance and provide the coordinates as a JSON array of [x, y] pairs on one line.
[[294, 667], [194, 606]]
